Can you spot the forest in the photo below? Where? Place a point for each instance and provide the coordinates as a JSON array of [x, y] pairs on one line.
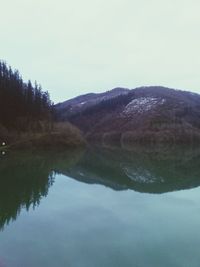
[[21, 103], [26, 116]]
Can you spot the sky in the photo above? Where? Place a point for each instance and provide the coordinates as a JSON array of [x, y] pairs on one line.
[[81, 46]]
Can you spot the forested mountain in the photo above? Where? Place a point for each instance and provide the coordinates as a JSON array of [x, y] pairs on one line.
[[83, 102], [21, 103], [145, 114], [26, 116]]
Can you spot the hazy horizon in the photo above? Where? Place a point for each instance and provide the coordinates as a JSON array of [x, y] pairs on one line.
[[77, 47]]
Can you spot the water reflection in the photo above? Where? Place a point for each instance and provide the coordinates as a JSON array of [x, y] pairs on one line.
[[150, 170], [25, 177]]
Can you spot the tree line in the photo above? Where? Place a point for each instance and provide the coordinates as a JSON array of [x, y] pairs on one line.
[[21, 102]]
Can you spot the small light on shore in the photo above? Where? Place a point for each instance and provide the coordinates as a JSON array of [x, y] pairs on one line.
[[3, 144]]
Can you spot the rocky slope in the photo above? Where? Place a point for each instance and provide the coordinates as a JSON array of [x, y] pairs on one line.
[[146, 114]]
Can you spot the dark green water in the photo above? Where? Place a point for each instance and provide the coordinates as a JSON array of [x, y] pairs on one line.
[[100, 208]]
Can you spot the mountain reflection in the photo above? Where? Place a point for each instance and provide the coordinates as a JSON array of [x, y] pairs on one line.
[[26, 177], [150, 170]]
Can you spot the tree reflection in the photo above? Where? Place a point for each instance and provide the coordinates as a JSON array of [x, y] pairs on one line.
[[25, 179]]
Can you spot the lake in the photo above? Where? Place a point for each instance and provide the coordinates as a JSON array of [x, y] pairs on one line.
[[100, 207]]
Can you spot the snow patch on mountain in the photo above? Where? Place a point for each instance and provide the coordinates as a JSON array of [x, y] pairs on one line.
[[142, 104], [141, 175]]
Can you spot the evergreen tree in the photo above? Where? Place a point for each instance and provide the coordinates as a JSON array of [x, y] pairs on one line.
[[20, 100]]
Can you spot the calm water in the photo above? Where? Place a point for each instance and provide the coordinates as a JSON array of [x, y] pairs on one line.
[[100, 208]]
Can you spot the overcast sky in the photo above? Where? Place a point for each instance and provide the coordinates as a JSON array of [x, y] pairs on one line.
[[80, 46]]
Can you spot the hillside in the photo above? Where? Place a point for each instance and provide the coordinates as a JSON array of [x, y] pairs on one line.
[[83, 102], [145, 114], [21, 103], [26, 115]]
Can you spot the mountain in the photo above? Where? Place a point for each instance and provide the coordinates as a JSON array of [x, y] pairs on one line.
[[145, 114], [80, 103]]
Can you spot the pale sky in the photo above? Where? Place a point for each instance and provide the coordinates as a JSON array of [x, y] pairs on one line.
[[80, 46]]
